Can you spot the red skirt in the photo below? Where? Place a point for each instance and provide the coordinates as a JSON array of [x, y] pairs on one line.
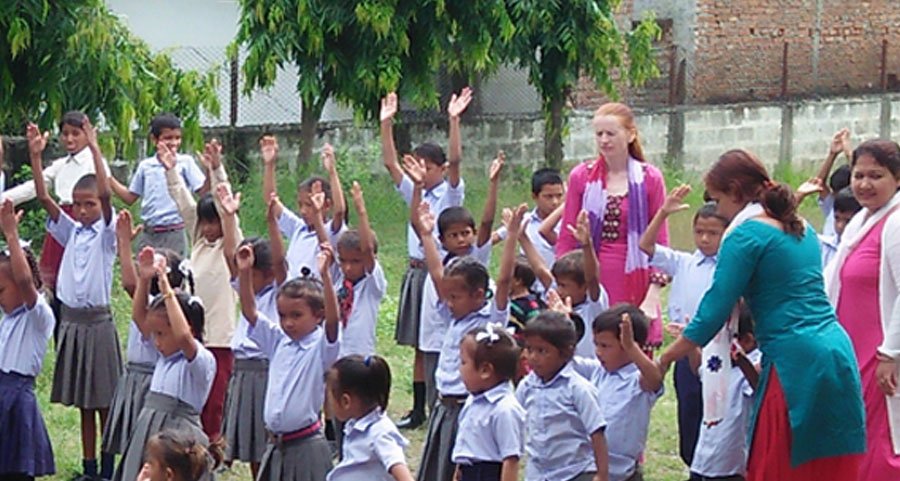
[[770, 452], [51, 255]]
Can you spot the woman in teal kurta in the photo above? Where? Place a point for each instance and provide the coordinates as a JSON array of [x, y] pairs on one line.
[[808, 370]]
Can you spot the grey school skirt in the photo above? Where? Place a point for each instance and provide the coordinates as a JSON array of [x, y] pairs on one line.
[[88, 358], [440, 440], [126, 406], [410, 311], [244, 428], [161, 412], [306, 459]]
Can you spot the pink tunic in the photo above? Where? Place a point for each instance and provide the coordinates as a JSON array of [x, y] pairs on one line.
[[858, 312]]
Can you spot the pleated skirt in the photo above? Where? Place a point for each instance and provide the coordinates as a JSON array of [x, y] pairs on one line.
[[244, 428], [127, 403], [301, 460], [439, 442], [410, 310], [24, 443]]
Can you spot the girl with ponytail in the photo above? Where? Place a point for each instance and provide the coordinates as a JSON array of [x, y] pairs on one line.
[[175, 456]]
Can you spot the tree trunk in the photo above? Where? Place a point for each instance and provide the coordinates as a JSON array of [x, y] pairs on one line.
[[554, 120], [309, 120]]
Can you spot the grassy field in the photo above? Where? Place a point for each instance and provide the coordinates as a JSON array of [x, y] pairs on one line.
[[389, 214]]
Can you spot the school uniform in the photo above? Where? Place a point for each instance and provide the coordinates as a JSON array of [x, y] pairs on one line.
[[722, 448], [359, 302], [589, 309], [88, 360], [303, 243], [626, 408], [296, 451], [829, 246], [178, 391], [491, 429], [562, 415], [444, 421], [24, 445], [439, 198], [532, 230], [372, 446], [692, 275], [163, 225]]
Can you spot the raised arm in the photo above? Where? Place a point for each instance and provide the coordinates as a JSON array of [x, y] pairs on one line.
[[21, 271], [276, 242], [103, 191], [37, 142], [571, 208], [423, 221], [582, 233], [125, 235], [674, 203], [508, 260], [840, 142], [651, 377], [389, 107], [268, 147], [547, 229], [317, 197], [457, 106], [366, 236], [230, 204], [490, 205], [541, 269], [332, 312], [338, 204], [181, 330], [146, 272], [244, 260]]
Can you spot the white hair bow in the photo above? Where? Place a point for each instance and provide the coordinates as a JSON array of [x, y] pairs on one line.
[[491, 333]]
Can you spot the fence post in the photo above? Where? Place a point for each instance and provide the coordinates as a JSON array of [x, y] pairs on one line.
[[235, 76], [884, 76], [673, 73], [784, 71]]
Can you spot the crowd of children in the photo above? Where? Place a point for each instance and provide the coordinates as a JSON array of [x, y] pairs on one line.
[[531, 368]]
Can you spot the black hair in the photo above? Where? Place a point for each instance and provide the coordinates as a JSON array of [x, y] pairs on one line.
[[501, 352], [570, 265], [709, 211], [206, 209], [73, 118], [87, 183], [746, 323], [350, 240], [523, 272], [368, 378], [306, 287], [164, 121], [844, 201], [184, 455], [609, 320], [453, 216], [179, 272], [545, 176], [885, 152], [262, 252], [191, 307], [307, 185], [555, 328], [474, 273], [840, 178], [431, 152], [32, 264]]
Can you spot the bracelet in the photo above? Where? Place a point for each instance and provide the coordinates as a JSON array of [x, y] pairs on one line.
[[659, 279], [169, 294]]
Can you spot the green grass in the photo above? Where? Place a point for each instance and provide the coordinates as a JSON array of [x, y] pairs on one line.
[[389, 214]]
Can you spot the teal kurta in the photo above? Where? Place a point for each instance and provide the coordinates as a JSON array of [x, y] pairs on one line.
[[780, 277]]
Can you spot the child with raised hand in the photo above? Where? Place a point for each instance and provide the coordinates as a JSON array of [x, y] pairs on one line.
[[439, 194], [183, 375], [373, 448], [303, 236], [171, 455], [491, 435], [300, 352], [25, 330], [564, 421], [88, 360], [628, 383]]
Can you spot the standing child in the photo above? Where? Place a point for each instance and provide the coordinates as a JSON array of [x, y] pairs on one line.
[[440, 194], [172, 456], [628, 383], [491, 434], [184, 373], [25, 330], [163, 225], [373, 448], [88, 360], [564, 434], [844, 206], [692, 274], [300, 352]]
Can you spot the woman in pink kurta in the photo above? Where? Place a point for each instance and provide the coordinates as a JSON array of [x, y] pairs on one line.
[[621, 193]]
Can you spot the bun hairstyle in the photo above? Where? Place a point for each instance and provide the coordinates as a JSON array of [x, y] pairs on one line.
[[368, 378], [496, 346], [740, 173], [626, 119], [192, 308], [187, 458], [305, 287]]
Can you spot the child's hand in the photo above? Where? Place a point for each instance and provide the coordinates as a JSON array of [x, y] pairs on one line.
[[582, 229], [426, 220], [674, 329], [497, 166], [388, 107], [90, 133], [515, 219], [840, 142], [505, 216], [811, 186], [626, 334], [556, 303], [325, 258], [37, 141], [231, 203], [268, 147], [675, 200], [125, 230], [161, 265], [274, 205], [9, 220], [244, 258], [144, 475], [165, 155], [212, 155], [414, 168], [146, 259], [357, 194], [328, 161], [458, 104], [317, 197]]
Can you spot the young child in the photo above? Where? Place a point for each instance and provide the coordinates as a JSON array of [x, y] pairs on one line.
[[25, 330], [524, 303], [491, 435], [88, 360], [722, 448], [440, 194], [575, 277], [213, 269], [373, 448], [172, 456], [628, 383], [548, 192], [163, 225], [692, 275], [844, 207], [300, 352], [183, 375], [565, 424], [303, 231]]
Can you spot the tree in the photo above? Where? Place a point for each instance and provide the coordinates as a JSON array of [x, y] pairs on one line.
[[556, 41], [59, 55]]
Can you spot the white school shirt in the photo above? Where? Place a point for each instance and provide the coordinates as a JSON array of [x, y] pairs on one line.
[[827, 207], [303, 243], [589, 310], [359, 335], [447, 378], [188, 381], [140, 349], [691, 277], [562, 414], [241, 345], [491, 427], [626, 408], [433, 320], [24, 334], [86, 270], [149, 182], [372, 446], [439, 198], [544, 248], [722, 448], [829, 246], [296, 390], [63, 173]]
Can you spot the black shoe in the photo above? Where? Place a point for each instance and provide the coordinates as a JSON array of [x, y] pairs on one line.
[[412, 420]]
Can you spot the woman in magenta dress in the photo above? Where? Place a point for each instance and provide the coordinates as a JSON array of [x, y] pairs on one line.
[[621, 192], [863, 283]]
